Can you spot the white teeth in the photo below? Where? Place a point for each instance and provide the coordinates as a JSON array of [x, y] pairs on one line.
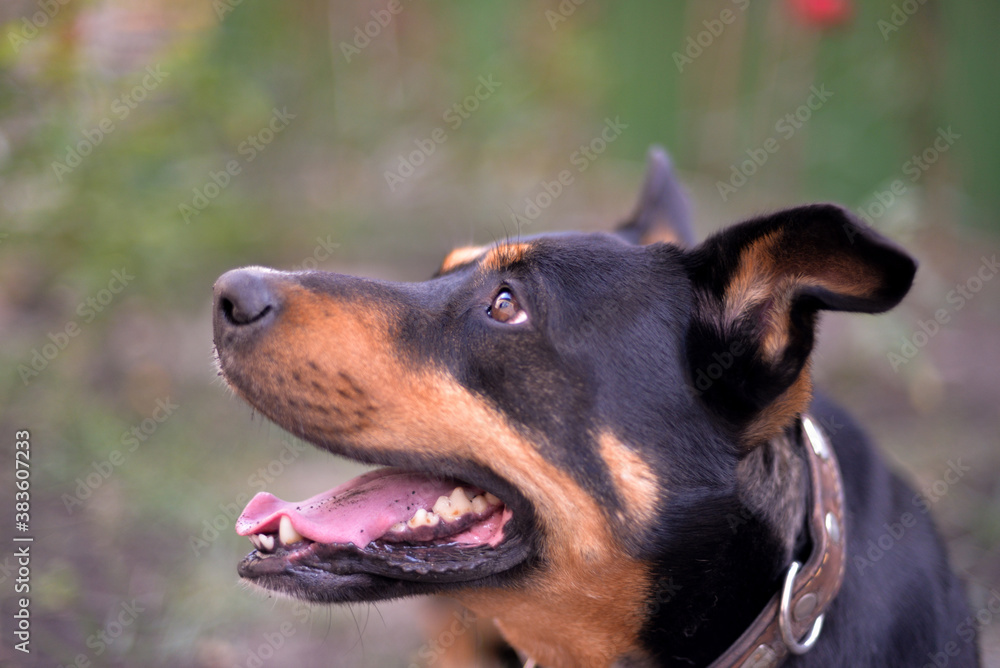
[[422, 518], [479, 505], [442, 506], [460, 503], [287, 532], [450, 508], [262, 541]]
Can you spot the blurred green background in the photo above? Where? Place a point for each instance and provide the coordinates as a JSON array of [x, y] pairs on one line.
[[146, 147]]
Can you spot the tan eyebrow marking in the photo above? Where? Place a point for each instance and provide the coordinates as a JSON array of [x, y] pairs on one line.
[[460, 256], [505, 254]]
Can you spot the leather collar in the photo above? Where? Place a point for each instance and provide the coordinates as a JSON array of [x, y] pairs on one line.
[[793, 619]]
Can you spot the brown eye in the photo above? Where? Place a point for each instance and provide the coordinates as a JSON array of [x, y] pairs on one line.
[[505, 309]]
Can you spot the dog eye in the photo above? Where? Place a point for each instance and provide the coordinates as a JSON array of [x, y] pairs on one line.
[[505, 309]]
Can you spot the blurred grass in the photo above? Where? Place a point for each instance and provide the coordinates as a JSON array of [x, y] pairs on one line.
[[322, 181]]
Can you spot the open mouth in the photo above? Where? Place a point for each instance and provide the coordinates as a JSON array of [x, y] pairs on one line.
[[388, 523]]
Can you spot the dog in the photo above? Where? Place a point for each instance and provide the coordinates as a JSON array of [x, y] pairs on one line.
[[607, 443]]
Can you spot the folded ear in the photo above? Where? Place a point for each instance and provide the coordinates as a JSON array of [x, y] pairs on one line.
[[758, 287], [663, 212]]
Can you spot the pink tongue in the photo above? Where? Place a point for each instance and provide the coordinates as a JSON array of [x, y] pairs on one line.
[[359, 511]]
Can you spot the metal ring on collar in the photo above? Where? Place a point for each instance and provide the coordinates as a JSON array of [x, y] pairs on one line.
[[785, 621]]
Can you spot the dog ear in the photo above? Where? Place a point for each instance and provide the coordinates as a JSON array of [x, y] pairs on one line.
[[758, 287], [663, 212]]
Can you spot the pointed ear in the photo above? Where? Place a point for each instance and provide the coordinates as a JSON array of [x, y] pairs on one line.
[[758, 287], [663, 212]]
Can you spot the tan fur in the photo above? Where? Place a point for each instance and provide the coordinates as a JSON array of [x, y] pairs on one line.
[[752, 282], [505, 254], [792, 403], [774, 338], [578, 612], [634, 480], [460, 256], [498, 257], [661, 233]]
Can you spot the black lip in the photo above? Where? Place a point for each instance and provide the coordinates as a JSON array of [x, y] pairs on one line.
[[411, 562]]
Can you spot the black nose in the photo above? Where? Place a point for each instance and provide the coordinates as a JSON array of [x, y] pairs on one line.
[[244, 297]]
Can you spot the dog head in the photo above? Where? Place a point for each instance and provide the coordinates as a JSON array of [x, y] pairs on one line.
[[569, 422]]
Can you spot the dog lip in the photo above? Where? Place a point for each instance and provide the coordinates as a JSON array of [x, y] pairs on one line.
[[493, 544], [425, 564]]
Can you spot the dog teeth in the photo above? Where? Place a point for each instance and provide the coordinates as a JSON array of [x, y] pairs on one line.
[[264, 542], [479, 504], [451, 507], [422, 518], [443, 508], [287, 533], [460, 503]]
